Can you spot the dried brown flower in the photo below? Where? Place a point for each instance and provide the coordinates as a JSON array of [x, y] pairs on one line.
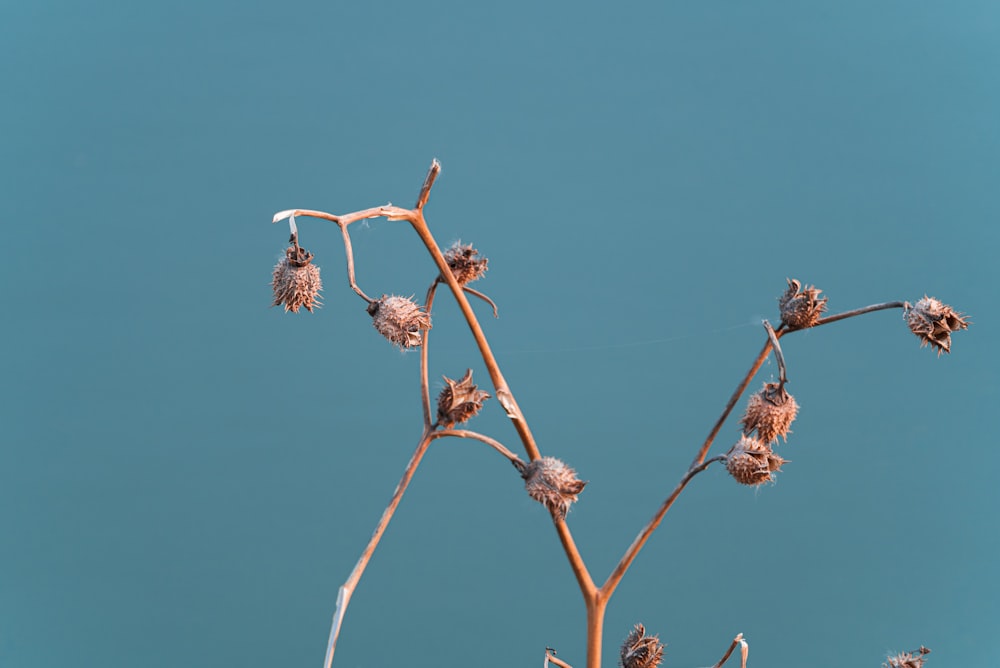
[[801, 307], [553, 484], [913, 659], [459, 401], [466, 263], [934, 322], [640, 650], [771, 412], [751, 462], [399, 319], [295, 281]]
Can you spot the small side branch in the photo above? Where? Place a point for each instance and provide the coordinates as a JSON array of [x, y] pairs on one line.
[[609, 586], [773, 338], [550, 657], [859, 311], [350, 264], [425, 190], [744, 651], [496, 445]]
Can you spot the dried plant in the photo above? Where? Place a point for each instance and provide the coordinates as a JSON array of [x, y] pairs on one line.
[[407, 324]]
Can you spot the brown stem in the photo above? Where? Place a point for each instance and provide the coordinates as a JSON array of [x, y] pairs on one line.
[[477, 293], [347, 589], [550, 657], [496, 445], [858, 311], [504, 395], [738, 640], [597, 605], [425, 190], [608, 588], [425, 392], [778, 355], [350, 263]]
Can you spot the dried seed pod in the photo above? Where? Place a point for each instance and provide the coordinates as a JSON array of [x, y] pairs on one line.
[[459, 401], [466, 263], [400, 320], [296, 281], [751, 462], [771, 412], [801, 307], [934, 322], [913, 659], [553, 484], [640, 650]]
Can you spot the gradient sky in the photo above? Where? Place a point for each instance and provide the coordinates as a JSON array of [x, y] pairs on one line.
[[187, 476]]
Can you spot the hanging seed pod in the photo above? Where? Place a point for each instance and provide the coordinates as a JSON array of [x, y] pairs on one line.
[[459, 401], [934, 322], [752, 462], [640, 650], [801, 307], [466, 263], [295, 281], [400, 320], [553, 484], [770, 412], [913, 659]]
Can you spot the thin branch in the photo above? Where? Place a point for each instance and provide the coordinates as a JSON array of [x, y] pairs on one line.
[[550, 657], [611, 583], [477, 293], [496, 445], [347, 589], [425, 190], [425, 392], [350, 263], [738, 640], [773, 338], [859, 311]]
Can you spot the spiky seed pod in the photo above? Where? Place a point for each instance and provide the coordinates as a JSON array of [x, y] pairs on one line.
[[553, 484], [459, 401], [466, 263], [400, 320], [640, 650], [914, 659], [751, 461], [801, 307], [771, 412], [934, 322], [295, 281]]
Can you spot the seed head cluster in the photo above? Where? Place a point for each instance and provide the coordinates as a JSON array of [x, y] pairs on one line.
[[914, 659], [400, 320], [466, 263], [640, 650], [296, 281], [752, 462], [770, 413], [934, 322], [553, 484], [801, 307], [459, 401]]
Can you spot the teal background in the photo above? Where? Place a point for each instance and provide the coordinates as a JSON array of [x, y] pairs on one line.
[[187, 476]]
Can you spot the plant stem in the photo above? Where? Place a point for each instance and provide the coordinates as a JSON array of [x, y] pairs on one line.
[[347, 589], [859, 311]]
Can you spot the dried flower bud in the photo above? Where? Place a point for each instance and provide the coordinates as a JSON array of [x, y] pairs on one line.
[[459, 401], [914, 659], [399, 319], [553, 484], [640, 650], [934, 322], [801, 308], [751, 462], [295, 281], [466, 263], [771, 412]]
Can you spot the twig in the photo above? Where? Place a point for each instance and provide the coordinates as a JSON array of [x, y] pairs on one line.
[[347, 589], [550, 657], [773, 338], [486, 299], [744, 650], [611, 583], [496, 445], [860, 311]]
